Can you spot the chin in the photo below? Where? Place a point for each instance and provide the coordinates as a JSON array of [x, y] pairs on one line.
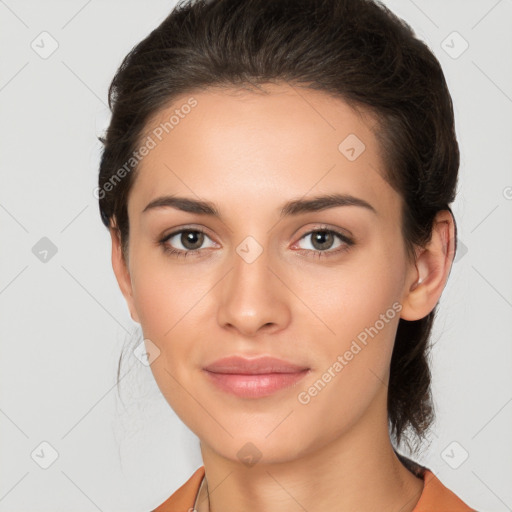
[[258, 449]]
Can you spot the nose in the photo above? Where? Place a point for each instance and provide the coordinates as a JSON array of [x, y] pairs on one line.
[[253, 297]]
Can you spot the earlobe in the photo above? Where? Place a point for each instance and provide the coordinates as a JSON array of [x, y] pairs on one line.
[[432, 268], [122, 272]]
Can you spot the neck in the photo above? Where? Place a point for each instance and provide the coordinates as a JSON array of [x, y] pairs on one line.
[[357, 470]]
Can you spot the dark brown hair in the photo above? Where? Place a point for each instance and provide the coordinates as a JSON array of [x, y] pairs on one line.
[[356, 50]]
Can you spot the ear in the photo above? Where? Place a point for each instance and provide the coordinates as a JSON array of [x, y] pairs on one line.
[[428, 277], [122, 272]]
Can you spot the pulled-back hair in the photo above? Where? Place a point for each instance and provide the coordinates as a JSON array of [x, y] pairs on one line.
[[356, 50]]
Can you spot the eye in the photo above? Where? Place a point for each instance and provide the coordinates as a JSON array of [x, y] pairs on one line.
[[190, 240], [323, 239]]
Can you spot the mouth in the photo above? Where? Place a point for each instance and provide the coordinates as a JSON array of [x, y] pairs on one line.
[[254, 378], [254, 385]]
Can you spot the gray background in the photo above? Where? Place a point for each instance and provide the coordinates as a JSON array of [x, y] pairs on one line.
[[64, 320]]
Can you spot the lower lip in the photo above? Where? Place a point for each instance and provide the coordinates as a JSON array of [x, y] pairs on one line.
[[254, 386]]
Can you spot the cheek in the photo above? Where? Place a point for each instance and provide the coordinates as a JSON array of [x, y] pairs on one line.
[[160, 295], [165, 311], [168, 302], [363, 313], [361, 310], [154, 300], [347, 300]]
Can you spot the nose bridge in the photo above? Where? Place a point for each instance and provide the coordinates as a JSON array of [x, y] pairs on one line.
[[251, 294], [251, 278]]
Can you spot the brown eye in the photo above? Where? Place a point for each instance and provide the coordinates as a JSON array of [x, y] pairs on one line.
[[323, 240], [192, 239], [185, 241]]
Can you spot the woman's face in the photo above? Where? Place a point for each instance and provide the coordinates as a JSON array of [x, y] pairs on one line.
[[262, 281]]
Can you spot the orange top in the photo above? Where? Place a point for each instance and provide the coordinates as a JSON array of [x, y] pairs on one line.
[[434, 498]]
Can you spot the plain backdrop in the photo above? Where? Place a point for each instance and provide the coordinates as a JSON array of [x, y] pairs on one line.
[[64, 320]]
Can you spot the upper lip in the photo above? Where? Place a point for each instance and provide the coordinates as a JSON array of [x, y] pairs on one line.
[[257, 366]]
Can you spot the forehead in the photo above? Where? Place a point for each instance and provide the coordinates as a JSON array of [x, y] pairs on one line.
[[246, 149]]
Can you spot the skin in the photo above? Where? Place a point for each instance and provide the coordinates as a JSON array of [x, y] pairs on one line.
[[249, 153]]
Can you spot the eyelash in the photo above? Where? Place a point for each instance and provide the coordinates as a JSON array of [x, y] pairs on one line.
[[348, 243]]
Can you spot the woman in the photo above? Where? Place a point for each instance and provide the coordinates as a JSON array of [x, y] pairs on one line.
[[277, 179]]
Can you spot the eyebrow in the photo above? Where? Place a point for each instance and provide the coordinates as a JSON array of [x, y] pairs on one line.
[[291, 208]]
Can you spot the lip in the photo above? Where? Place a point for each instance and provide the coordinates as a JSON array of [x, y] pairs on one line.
[[254, 378], [256, 366]]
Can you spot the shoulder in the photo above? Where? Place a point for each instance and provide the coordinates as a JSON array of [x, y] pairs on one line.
[[436, 497], [182, 500]]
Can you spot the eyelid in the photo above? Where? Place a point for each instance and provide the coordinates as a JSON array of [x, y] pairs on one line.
[[178, 230], [326, 227]]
